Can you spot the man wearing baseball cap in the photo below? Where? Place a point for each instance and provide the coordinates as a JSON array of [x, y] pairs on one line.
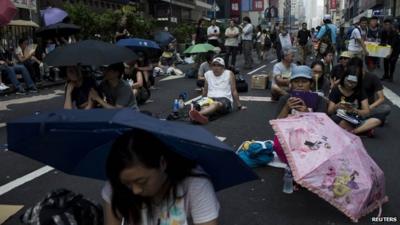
[[327, 41], [220, 86]]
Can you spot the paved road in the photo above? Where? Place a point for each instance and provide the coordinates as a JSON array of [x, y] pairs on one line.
[[256, 203]]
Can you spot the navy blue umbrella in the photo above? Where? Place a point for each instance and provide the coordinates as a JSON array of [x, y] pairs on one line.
[[78, 141], [163, 38], [150, 48]]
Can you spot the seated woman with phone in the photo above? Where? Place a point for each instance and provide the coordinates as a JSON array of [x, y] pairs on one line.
[[300, 97], [348, 104]]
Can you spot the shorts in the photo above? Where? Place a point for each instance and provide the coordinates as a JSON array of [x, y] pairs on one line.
[[227, 105]]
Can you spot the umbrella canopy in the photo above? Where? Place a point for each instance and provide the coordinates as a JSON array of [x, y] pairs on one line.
[[78, 142], [150, 48], [90, 53], [332, 163], [7, 12], [59, 29], [199, 48], [53, 15], [163, 38]]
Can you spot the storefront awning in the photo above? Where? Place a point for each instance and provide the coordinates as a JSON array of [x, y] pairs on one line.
[[203, 4], [180, 3], [24, 23]]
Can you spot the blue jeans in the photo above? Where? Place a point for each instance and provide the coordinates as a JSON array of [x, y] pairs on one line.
[[11, 73]]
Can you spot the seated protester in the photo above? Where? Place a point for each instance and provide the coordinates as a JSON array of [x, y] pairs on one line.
[[148, 183], [166, 65], [320, 83], [77, 89], [11, 70], [350, 97], [281, 75], [373, 88], [143, 65], [327, 60], [28, 59], [204, 67], [301, 80], [338, 71], [117, 92], [220, 85], [138, 83]]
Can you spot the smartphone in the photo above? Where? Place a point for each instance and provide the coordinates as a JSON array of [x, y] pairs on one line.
[[309, 98]]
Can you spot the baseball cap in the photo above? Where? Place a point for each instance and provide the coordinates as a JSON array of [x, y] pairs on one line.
[[301, 72], [219, 60], [345, 54]]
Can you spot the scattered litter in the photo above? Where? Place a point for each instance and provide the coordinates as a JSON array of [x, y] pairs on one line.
[[221, 138], [6, 211]]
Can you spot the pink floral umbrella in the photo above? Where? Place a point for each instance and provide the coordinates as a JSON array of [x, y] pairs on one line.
[[7, 12], [331, 163]]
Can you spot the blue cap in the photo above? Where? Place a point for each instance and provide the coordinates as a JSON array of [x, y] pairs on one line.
[[301, 71]]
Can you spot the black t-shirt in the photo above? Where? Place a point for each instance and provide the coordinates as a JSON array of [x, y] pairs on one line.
[[80, 94], [303, 36], [356, 98], [371, 85], [322, 105]]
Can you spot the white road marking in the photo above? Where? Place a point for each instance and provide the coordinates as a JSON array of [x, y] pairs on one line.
[[24, 179], [249, 73], [254, 99], [29, 99], [221, 138], [274, 61], [393, 97], [172, 77]]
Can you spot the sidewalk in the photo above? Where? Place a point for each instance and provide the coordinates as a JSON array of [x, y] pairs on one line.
[[39, 85]]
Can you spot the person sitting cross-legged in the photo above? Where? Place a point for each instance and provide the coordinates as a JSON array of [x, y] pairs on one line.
[[220, 86]]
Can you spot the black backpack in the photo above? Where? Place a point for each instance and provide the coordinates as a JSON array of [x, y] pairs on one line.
[[63, 207]]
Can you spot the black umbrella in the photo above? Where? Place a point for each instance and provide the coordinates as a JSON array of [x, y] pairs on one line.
[[58, 29], [89, 52], [163, 38]]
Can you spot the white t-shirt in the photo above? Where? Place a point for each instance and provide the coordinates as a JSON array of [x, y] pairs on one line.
[[286, 41], [281, 70], [199, 203], [213, 30], [232, 41], [354, 44], [219, 86]]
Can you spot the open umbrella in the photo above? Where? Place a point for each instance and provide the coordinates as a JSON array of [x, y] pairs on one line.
[[53, 15], [7, 12], [163, 38], [150, 48], [58, 29], [78, 142], [199, 48], [332, 163], [89, 52]]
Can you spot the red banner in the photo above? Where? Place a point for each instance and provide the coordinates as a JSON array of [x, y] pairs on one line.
[[333, 4], [235, 7], [258, 5]]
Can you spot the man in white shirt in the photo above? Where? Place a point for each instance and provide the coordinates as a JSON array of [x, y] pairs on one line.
[[247, 42], [281, 74], [358, 35], [231, 42], [213, 33], [220, 86]]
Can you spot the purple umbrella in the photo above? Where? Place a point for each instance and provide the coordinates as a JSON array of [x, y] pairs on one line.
[[53, 15]]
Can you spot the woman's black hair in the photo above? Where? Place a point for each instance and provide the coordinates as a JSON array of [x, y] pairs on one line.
[[356, 61], [321, 79], [247, 19], [353, 70], [130, 149], [199, 22]]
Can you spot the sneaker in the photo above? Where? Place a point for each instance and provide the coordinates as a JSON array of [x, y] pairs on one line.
[[33, 90], [195, 116], [20, 91]]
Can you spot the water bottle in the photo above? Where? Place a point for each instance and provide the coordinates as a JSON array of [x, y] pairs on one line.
[[288, 181], [176, 106]]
